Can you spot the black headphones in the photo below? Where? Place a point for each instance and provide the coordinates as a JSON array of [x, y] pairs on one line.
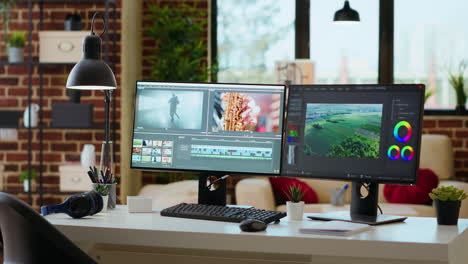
[[77, 205]]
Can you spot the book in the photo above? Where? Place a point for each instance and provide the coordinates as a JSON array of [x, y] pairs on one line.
[[335, 228]]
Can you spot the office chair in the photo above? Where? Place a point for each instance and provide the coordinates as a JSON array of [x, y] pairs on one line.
[[29, 238]]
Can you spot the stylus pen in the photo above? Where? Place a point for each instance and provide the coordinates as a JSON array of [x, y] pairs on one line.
[[343, 189]]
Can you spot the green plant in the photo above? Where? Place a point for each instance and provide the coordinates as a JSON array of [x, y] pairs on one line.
[[295, 193], [101, 189], [447, 193], [457, 81], [6, 7], [17, 39], [428, 94], [179, 53], [24, 175]]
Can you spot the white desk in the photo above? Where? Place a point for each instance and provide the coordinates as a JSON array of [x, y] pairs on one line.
[[119, 237]]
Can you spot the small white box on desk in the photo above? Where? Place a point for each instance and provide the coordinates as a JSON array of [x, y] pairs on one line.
[[139, 204], [61, 46]]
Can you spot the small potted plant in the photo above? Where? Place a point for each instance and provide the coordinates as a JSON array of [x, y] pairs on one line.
[[16, 47], [104, 178], [295, 205], [24, 177], [103, 190], [447, 201], [457, 81]]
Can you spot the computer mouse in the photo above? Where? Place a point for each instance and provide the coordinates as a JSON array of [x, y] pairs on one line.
[[252, 225]]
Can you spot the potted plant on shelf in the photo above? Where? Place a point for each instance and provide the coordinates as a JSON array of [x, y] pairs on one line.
[[103, 190], [16, 47], [295, 205], [447, 201], [6, 7], [24, 177], [457, 81]]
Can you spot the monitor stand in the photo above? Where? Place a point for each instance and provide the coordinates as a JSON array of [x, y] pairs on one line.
[[363, 209], [211, 192]]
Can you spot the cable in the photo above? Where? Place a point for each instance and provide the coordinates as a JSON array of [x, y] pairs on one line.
[[366, 185], [380, 209], [104, 22], [217, 180]]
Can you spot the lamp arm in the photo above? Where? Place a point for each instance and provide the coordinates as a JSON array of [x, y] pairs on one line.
[[107, 101]]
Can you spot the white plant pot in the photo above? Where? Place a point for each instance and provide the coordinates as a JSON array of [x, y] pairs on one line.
[[26, 185], [295, 211], [105, 201], [15, 54]]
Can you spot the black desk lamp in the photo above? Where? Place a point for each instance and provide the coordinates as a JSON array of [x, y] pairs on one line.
[[91, 73]]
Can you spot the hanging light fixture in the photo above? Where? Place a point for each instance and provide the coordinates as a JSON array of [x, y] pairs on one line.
[[346, 14], [91, 73]]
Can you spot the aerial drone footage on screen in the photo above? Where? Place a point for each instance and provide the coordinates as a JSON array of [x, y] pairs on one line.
[[343, 130]]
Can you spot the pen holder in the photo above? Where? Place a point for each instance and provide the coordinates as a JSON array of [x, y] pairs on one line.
[[337, 196], [112, 196]]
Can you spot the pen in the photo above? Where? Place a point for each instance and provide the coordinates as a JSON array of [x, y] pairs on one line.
[[91, 176], [343, 189]]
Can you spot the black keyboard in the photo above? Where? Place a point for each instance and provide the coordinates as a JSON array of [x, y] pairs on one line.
[[221, 213]]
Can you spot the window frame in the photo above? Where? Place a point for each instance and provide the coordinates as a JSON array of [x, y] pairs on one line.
[[302, 41]]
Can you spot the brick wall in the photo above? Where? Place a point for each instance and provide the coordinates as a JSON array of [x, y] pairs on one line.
[[60, 145], [456, 127]]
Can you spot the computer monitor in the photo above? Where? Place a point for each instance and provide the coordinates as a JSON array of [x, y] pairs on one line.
[[367, 134], [207, 127]]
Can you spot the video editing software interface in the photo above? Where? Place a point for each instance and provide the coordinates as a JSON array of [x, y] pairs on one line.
[[208, 127], [367, 132]]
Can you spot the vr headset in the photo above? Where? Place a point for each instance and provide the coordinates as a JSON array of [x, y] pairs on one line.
[[77, 205]]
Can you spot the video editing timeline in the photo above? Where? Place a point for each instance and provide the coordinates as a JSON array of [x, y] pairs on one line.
[[365, 132], [231, 152], [210, 127]]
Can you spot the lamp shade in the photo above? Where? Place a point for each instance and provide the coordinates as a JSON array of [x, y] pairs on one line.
[[91, 73], [346, 14]]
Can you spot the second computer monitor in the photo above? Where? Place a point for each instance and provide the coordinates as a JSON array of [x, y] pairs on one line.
[[368, 133], [208, 127]]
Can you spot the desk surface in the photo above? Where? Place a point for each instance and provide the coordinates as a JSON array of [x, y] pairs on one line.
[[416, 238]]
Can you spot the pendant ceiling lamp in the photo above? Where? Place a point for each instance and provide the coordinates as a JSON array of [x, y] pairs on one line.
[[346, 14]]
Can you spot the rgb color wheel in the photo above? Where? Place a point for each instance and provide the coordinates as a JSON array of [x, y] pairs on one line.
[[407, 153], [397, 152], [408, 133]]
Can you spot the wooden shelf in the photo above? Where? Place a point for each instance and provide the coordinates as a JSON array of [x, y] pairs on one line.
[[68, 1], [43, 193], [25, 63], [64, 128]]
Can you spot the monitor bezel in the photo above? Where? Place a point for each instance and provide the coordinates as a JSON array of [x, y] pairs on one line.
[[417, 87], [217, 172]]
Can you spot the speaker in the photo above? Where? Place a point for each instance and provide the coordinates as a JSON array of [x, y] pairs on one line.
[[72, 115], [9, 119]]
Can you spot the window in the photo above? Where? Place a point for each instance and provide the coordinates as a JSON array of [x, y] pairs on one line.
[[431, 38], [252, 35], [344, 53]]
